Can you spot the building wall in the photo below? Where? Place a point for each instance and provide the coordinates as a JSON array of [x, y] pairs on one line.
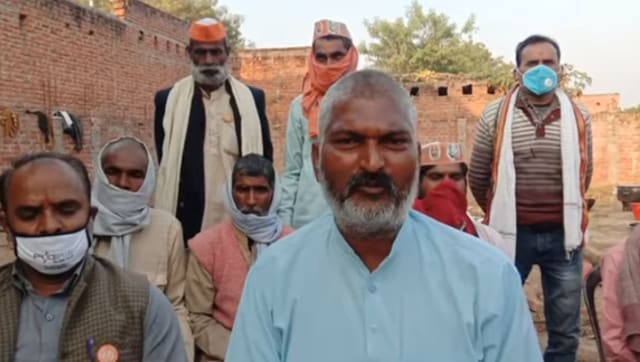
[[57, 55]]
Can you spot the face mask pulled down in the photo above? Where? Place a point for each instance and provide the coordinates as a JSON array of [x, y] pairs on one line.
[[540, 80], [53, 254]]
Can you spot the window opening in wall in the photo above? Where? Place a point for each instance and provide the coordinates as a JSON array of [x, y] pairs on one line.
[[21, 19], [491, 90], [414, 91], [467, 90], [443, 91]]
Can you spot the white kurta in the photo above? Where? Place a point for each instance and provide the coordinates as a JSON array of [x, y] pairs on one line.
[[220, 154]]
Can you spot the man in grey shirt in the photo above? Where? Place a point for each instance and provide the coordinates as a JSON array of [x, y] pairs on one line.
[[57, 302]]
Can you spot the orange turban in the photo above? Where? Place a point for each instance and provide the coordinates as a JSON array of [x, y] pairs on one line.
[[441, 153], [320, 77], [207, 30]]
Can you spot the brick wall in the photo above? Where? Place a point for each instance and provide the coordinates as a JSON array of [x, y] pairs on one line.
[[450, 117], [60, 55], [105, 69], [279, 72]]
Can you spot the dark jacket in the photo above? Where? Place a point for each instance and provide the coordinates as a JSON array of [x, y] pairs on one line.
[[191, 196]]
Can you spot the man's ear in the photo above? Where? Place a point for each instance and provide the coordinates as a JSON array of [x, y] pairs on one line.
[[315, 157]]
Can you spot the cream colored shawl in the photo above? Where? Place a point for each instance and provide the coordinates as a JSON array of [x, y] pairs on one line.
[[175, 122]]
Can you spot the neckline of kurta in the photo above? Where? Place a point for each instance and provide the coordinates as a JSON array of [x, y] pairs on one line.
[[399, 245], [214, 95]]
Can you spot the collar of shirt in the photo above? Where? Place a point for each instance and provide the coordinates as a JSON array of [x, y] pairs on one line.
[[398, 248], [213, 95], [23, 284]]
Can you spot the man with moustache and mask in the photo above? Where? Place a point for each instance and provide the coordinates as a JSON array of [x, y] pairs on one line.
[[530, 169], [220, 257], [376, 280], [57, 301], [332, 56], [133, 235], [203, 123]]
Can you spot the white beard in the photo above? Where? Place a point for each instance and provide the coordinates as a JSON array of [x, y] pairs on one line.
[[215, 80], [372, 220]]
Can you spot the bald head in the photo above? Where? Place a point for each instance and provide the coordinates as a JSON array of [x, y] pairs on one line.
[[366, 85], [53, 158], [125, 163], [125, 145]]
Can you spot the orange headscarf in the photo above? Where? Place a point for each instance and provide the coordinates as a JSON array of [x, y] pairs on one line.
[[320, 77]]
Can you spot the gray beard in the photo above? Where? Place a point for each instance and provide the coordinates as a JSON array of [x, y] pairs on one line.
[[370, 221], [215, 80]]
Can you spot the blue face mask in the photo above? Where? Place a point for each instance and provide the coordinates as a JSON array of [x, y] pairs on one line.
[[540, 80]]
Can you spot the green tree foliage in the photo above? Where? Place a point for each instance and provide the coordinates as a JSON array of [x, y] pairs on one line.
[[430, 41], [190, 10]]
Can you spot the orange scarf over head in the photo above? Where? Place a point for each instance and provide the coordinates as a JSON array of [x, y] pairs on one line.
[[317, 81]]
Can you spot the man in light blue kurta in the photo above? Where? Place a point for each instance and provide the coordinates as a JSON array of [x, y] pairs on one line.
[[374, 281], [332, 55], [302, 199]]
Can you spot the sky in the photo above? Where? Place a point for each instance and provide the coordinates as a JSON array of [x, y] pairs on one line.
[[600, 37]]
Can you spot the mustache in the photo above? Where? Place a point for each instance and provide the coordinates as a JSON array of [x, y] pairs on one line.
[[371, 179], [252, 210], [210, 70]]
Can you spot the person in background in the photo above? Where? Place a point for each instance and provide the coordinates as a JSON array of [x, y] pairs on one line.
[[530, 169], [443, 193], [133, 235], [203, 124], [221, 257], [59, 302], [621, 300], [332, 56]]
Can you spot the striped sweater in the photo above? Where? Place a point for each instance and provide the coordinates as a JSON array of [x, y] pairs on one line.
[[537, 159]]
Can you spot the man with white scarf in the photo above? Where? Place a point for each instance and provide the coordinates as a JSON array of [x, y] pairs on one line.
[[203, 124], [221, 256], [132, 234], [530, 170]]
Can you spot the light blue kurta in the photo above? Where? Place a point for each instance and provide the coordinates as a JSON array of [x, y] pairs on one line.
[[440, 296], [302, 198]]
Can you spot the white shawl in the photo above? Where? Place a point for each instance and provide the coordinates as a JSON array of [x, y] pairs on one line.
[[503, 206], [175, 122]]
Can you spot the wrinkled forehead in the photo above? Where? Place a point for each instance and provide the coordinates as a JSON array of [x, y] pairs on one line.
[[125, 149], [45, 181], [375, 116]]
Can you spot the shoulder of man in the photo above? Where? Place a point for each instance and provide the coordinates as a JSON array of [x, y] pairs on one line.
[[203, 242], [255, 91], [295, 108], [296, 248], [159, 216], [452, 244], [103, 267], [585, 111], [490, 112], [6, 275], [162, 95]]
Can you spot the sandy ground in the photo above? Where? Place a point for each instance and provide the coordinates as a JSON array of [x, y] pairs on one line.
[[609, 225]]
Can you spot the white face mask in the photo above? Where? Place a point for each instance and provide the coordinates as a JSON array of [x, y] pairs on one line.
[[53, 254]]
